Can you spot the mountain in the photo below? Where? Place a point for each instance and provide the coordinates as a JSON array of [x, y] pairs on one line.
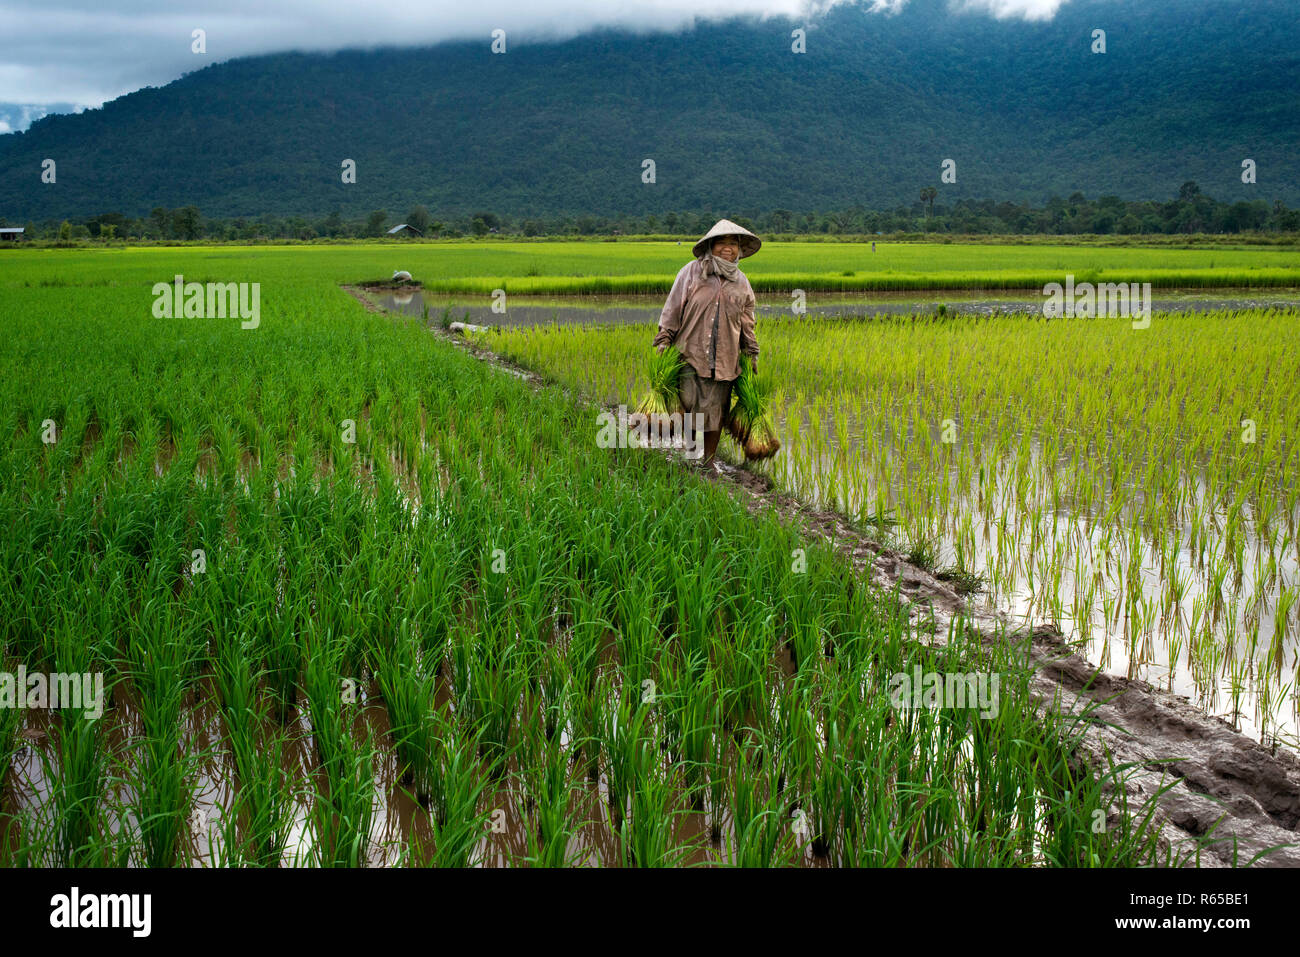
[[733, 119]]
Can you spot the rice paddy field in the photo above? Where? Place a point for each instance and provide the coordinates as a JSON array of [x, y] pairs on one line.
[[358, 599], [613, 268], [631, 268], [1136, 486]]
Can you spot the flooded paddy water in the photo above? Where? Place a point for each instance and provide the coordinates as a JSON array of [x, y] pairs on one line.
[[1215, 636], [634, 310], [400, 831]]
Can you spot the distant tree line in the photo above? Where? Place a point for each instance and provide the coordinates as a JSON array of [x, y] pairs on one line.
[[1189, 212]]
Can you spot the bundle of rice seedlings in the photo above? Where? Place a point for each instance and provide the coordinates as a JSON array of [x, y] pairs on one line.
[[663, 370], [750, 422]]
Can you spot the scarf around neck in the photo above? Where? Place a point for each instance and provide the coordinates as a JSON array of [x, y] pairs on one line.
[[715, 266]]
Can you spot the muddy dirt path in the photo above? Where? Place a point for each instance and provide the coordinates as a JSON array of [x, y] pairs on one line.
[[1244, 796]]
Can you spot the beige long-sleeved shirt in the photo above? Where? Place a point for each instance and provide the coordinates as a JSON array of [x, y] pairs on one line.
[[688, 321]]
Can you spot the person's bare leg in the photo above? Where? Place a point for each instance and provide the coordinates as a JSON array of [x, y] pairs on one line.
[[711, 440]]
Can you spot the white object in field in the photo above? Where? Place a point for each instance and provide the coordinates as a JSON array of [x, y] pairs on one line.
[[467, 327], [402, 274]]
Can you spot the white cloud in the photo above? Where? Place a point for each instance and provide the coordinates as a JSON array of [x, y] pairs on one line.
[[1001, 9], [83, 52]]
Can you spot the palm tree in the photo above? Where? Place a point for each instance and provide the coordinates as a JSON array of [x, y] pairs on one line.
[[927, 196]]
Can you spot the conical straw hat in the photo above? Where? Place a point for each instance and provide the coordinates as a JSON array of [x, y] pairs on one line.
[[749, 243]]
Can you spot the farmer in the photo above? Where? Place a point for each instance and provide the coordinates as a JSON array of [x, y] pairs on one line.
[[709, 318]]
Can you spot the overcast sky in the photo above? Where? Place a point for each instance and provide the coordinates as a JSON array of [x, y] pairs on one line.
[[56, 55]]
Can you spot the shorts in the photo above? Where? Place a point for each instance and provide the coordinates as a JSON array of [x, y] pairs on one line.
[[710, 397]]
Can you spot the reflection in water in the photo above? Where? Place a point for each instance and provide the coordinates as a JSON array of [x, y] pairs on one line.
[[400, 825]]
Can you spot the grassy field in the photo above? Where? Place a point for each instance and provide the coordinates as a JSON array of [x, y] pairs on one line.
[[564, 268], [357, 599], [1139, 487]]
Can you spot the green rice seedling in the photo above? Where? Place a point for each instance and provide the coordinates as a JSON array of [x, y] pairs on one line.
[[235, 678], [618, 747], [992, 786], [719, 763], [963, 581], [1237, 681], [161, 787], [408, 690], [458, 818], [583, 658], [637, 638], [620, 726], [922, 553], [853, 720], [80, 774], [256, 826], [96, 833], [872, 816], [697, 589], [331, 711], [555, 694], [751, 672], [825, 795], [497, 689], [646, 836], [806, 615], [436, 594], [343, 805], [1286, 600], [688, 700], [550, 788], [281, 662], [725, 679], [759, 836], [463, 671]]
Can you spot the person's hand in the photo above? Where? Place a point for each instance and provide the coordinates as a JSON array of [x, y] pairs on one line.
[[753, 364], [660, 348]]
